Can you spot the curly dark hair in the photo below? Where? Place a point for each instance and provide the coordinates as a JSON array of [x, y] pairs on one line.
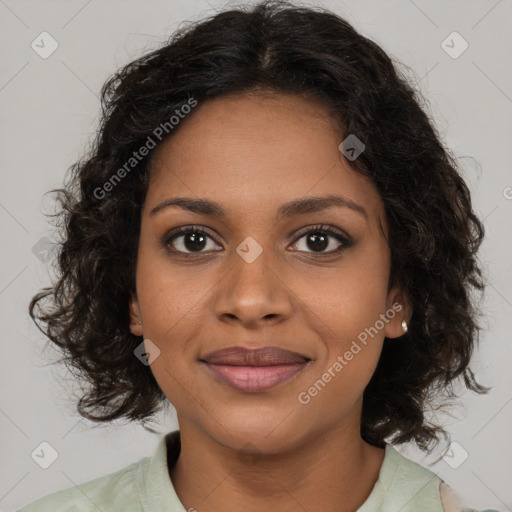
[[434, 234]]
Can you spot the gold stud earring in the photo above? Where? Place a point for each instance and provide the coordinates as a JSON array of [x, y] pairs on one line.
[[404, 326]]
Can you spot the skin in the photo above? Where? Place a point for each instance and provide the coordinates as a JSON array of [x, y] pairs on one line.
[[251, 153]]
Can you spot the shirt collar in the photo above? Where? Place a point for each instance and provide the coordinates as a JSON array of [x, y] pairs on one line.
[[152, 478]]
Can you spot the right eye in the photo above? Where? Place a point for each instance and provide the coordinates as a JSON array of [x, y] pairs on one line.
[[187, 240]]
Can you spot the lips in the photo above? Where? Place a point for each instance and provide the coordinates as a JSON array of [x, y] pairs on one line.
[[265, 356], [254, 370]]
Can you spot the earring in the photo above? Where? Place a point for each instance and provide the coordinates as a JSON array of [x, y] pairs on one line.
[[404, 326], [140, 323]]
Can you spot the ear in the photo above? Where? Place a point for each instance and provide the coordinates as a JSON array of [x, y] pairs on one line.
[[135, 316], [398, 308]]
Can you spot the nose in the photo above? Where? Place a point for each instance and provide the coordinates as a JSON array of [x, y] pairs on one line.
[[254, 293]]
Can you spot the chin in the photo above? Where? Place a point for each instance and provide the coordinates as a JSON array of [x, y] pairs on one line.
[[257, 434]]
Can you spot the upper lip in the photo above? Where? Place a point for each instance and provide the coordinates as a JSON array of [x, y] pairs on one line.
[[264, 356]]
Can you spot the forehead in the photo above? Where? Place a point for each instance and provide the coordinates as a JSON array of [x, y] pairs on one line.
[[258, 151]]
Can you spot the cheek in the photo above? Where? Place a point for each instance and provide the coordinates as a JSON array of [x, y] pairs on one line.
[[169, 311], [348, 309], [169, 297], [352, 333], [350, 299]]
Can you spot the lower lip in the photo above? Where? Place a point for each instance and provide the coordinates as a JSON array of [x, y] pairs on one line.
[[255, 378]]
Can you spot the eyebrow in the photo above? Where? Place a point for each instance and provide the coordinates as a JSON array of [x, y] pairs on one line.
[[285, 211]]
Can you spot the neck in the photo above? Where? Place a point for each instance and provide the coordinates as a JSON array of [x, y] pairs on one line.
[[334, 472]]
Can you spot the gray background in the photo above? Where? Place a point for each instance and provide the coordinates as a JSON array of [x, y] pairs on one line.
[[49, 112]]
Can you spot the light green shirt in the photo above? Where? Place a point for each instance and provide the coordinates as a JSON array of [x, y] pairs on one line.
[[145, 486]]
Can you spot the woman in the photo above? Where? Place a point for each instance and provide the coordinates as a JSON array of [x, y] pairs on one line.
[[270, 235]]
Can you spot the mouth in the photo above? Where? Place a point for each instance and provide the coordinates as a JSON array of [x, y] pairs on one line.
[[254, 370]]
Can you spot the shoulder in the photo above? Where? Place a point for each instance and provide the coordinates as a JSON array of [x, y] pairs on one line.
[[453, 503], [450, 500], [408, 486], [410, 483], [118, 489], [403, 485]]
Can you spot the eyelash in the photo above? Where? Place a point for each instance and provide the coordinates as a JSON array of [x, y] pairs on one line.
[[346, 242]]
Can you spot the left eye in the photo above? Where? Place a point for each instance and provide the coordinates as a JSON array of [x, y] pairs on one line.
[[318, 239]]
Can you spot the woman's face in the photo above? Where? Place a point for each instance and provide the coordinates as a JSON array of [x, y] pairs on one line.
[[263, 275]]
